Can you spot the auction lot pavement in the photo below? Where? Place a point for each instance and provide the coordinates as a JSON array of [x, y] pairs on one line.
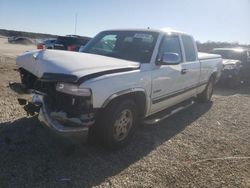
[[202, 146]]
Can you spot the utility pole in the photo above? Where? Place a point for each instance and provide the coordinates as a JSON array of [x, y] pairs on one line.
[[75, 22]]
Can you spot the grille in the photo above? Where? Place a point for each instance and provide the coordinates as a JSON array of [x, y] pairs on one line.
[[74, 106]]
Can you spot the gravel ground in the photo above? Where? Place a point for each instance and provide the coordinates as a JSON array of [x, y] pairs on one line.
[[202, 146]]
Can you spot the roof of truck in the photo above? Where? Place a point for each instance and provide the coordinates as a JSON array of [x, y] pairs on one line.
[[164, 30]]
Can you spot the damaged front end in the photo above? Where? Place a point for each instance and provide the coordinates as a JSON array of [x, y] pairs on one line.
[[64, 107]]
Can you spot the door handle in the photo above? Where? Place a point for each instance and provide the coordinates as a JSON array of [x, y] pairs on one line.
[[184, 71]]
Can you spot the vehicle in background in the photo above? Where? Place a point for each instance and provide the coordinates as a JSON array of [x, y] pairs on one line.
[[70, 42], [121, 77], [46, 44], [10, 39], [81, 48], [20, 40], [236, 65]]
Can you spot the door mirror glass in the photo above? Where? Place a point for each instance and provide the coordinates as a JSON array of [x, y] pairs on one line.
[[170, 58]]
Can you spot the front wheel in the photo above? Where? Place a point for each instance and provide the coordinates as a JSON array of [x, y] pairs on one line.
[[118, 124], [206, 95]]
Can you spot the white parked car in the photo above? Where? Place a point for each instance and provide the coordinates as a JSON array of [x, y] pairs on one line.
[[122, 76]]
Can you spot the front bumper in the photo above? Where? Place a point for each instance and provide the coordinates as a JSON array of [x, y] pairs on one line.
[[229, 74], [76, 133], [34, 102], [59, 128], [71, 134]]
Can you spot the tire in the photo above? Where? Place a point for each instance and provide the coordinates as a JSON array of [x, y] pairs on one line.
[[206, 95], [235, 82], [118, 123]]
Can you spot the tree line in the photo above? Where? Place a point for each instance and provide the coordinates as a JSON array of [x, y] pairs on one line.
[[210, 45]]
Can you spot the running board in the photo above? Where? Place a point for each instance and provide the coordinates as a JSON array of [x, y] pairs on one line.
[[160, 116]]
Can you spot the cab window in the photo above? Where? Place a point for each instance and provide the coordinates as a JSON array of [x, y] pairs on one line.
[[189, 48], [170, 44]]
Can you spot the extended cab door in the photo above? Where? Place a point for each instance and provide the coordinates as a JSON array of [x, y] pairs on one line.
[[191, 65]]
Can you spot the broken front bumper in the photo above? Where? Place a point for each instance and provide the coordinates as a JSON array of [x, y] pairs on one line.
[[229, 74], [55, 125], [34, 103]]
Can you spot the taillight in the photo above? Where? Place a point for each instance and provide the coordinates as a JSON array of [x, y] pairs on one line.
[[40, 46], [72, 47]]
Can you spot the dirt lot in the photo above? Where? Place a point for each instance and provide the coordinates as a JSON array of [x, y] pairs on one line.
[[12, 50], [202, 146]]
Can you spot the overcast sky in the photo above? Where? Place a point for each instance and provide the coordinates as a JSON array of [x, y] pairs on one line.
[[214, 20]]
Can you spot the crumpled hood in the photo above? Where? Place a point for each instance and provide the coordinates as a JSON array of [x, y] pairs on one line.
[[230, 62], [39, 62]]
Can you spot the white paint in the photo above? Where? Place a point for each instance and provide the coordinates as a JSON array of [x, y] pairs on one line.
[[155, 80], [66, 62]]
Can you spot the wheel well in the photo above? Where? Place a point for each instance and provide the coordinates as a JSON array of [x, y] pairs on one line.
[[213, 76], [138, 97]]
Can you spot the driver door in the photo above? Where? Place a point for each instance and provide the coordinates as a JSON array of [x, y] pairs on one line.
[[168, 79]]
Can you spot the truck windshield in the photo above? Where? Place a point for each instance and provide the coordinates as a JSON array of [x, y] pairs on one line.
[[129, 45], [229, 54]]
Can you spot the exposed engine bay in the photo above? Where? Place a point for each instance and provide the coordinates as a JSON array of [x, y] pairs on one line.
[[69, 110]]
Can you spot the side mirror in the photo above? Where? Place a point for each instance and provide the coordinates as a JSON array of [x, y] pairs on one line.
[[170, 59]]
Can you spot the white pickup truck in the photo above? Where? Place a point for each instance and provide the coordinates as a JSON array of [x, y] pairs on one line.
[[121, 77]]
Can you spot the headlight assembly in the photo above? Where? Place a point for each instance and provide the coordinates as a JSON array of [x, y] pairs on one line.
[[229, 67], [73, 89]]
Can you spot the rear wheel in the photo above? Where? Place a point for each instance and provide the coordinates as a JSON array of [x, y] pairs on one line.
[[206, 95], [118, 124]]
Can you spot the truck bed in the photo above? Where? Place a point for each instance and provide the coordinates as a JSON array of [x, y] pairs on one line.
[[207, 60], [204, 56]]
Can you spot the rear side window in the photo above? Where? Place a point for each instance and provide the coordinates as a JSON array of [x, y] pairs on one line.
[[189, 48]]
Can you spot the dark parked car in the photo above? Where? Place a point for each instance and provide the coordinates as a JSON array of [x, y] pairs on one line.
[[11, 39], [70, 42], [236, 65], [46, 44], [20, 40]]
